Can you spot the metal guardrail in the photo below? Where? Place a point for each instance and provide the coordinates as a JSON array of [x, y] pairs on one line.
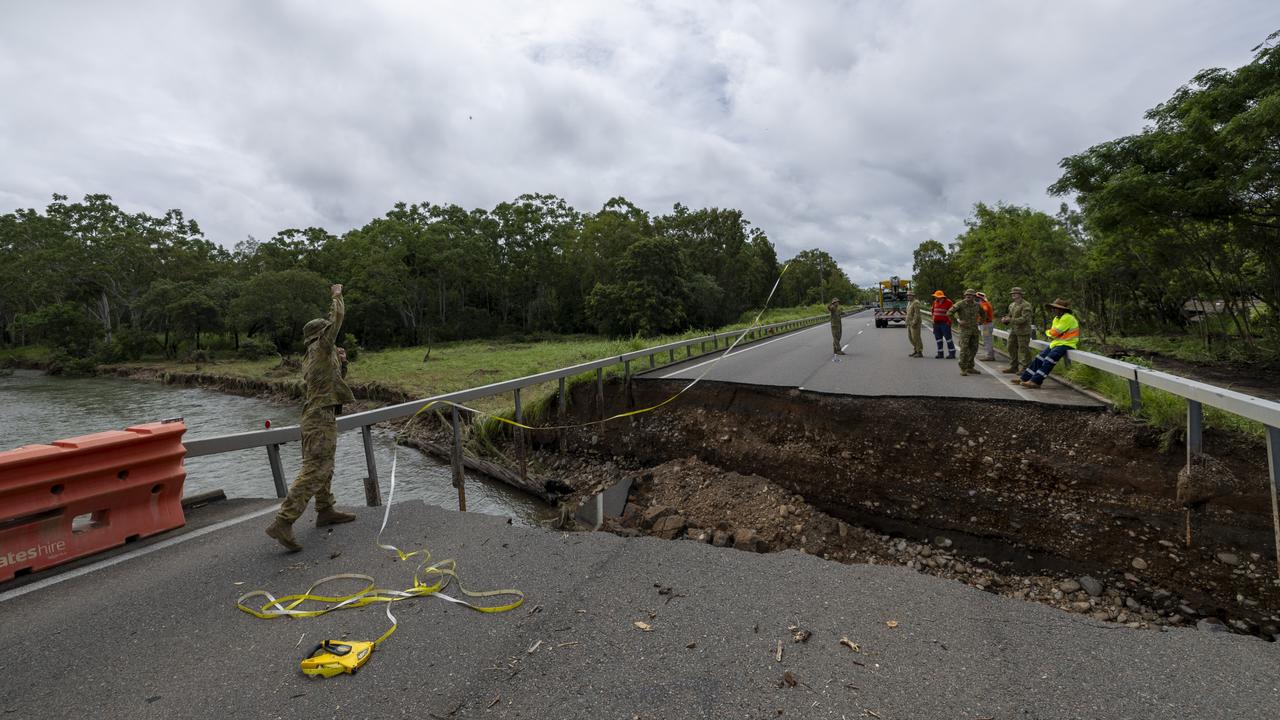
[[272, 439], [1197, 394]]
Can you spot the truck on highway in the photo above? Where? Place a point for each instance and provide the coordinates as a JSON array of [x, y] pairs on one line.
[[893, 301]]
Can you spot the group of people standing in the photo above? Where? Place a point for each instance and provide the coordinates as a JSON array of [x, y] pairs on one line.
[[974, 321]]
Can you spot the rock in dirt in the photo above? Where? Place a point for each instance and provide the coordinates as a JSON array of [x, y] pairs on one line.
[[1069, 586], [669, 527], [720, 538], [653, 514], [1139, 564], [1091, 585], [1227, 558]]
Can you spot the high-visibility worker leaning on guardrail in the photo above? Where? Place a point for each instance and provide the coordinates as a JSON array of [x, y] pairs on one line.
[[1063, 335]]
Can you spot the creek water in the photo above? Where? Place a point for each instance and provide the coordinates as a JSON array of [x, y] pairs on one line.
[[37, 408]]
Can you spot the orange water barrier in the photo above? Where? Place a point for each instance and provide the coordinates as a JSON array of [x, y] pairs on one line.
[[82, 495]]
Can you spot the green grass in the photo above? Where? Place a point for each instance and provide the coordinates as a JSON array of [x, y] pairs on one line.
[[1188, 348]]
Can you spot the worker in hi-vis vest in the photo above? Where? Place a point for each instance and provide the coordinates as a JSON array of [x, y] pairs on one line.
[[942, 323], [1064, 335]]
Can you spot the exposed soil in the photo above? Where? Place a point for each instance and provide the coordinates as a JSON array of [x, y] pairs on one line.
[[1028, 501]]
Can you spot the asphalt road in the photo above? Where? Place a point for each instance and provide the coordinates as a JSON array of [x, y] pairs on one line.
[[876, 364], [158, 636]]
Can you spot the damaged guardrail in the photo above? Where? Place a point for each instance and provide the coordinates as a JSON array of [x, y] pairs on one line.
[[272, 439], [1197, 394]]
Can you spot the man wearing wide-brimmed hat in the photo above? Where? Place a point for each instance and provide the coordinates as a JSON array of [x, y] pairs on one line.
[[323, 370], [1019, 321], [915, 317], [837, 326], [967, 317], [1064, 335]]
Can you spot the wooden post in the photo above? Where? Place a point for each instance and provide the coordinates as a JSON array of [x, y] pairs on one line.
[[459, 477], [519, 438], [372, 493]]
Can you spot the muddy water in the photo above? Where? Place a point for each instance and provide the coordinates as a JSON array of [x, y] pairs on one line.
[[35, 408]]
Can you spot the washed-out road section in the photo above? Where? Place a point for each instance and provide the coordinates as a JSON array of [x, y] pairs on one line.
[[158, 636], [875, 365]]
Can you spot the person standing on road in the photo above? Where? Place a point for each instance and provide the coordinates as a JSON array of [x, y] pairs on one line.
[[1019, 321], [967, 316], [323, 370], [1064, 335], [915, 317], [988, 326], [837, 326], [942, 323]]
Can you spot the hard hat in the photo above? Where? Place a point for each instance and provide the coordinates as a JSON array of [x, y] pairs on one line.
[[939, 294]]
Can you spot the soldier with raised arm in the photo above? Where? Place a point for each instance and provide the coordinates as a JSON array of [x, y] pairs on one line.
[[323, 370]]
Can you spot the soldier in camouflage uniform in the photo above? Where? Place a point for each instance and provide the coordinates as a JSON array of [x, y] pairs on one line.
[[837, 328], [1019, 320], [915, 317], [967, 316], [323, 370]]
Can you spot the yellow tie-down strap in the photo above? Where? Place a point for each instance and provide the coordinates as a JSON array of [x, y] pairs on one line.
[[429, 580]]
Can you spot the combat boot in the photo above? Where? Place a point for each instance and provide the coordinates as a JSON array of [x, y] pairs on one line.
[[332, 516], [283, 534]]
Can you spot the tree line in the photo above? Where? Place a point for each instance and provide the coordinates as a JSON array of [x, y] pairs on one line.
[[1177, 225], [96, 281]]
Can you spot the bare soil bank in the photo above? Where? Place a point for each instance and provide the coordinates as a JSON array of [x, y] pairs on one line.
[[1075, 508]]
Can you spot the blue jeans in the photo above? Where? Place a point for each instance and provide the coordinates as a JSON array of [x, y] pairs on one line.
[[1043, 364]]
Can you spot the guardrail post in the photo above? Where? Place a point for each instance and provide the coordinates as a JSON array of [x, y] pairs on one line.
[[650, 361], [519, 438], [561, 406], [688, 351], [1195, 431], [459, 477], [626, 381], [600, 393], [1135, 395], [277, 470], [1273, 458], [372, 493]]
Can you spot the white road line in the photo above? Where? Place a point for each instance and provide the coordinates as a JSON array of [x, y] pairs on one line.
[[753, 346], [1025, 395], [845, 347], [859, 332], [72, 574]]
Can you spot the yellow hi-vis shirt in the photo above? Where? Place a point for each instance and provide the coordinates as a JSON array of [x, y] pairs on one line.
[[1065, 331]]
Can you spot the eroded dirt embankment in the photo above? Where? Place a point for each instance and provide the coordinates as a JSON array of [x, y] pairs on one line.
[[1075, 508]]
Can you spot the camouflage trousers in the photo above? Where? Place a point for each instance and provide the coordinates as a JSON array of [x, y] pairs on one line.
[[836, 332], [968, 349], [1019, 350], [913, 334], [319, 443]]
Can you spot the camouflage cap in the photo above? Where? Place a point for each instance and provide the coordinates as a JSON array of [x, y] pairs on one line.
[[970, 291], [313, 330], [1016, 290]]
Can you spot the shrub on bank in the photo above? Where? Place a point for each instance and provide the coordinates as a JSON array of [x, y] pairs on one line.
[[256, 348]]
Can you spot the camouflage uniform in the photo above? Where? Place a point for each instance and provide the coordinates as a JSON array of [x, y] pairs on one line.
[[1019, 335], [326, 393], [967, 311], [914, 319], [837, 327]]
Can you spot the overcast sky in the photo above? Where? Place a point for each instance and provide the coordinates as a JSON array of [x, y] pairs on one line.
[[860, 128]]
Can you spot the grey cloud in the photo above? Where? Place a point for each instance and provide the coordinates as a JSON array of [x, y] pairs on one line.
[[859, 127]]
